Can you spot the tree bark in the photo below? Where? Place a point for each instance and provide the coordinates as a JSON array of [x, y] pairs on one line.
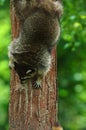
[[32, 109]]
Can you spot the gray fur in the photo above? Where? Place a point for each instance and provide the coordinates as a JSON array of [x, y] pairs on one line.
[[38, 35]]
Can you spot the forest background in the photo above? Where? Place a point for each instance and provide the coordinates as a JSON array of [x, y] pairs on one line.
[[71, 57]]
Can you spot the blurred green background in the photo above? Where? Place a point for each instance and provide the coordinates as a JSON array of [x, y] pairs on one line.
[[71, 53]]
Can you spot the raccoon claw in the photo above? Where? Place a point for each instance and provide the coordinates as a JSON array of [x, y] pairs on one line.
[[37, 84]]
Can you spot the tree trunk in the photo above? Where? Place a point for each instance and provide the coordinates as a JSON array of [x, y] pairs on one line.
[[32, 109]]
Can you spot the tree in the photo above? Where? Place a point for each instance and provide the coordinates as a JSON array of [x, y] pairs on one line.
[[32, 109]]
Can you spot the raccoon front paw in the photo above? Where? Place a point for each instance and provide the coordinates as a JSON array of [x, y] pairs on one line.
[[37, 84]]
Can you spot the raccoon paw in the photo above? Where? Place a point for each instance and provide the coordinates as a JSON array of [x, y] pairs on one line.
[[37, 84]]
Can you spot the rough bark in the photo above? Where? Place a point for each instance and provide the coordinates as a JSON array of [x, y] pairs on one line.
[[32, 109]]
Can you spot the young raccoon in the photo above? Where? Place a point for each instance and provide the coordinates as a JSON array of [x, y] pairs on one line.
[[30, 53]]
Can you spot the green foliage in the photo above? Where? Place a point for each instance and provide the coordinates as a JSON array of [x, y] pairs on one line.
[[4, 70], [71, 65]]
